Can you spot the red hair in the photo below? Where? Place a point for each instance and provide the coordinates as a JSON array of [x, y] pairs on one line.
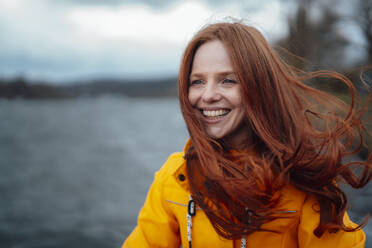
[[300, 137]]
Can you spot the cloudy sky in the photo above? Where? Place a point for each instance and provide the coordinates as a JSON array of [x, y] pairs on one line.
[[65, 40]]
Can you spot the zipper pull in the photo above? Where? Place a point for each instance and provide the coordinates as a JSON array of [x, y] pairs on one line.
[[189, 215], [191, 207]]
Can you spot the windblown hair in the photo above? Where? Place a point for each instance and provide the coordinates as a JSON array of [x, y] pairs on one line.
[[300, 136]]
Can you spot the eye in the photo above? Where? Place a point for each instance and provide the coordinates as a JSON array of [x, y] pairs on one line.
[[229, 81], [196, 82]]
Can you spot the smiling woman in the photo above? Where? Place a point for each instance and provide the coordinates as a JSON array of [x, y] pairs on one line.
[[265, 157], [215, 94]]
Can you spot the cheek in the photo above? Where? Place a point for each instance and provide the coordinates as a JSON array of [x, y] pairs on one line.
[[192, 96], [241, 115], [236, 99]]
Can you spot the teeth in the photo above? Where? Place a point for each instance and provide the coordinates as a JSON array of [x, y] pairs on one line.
[[213, 113]]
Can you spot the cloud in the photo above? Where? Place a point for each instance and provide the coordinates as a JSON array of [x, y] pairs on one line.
[[63, 40], [138, 22], [154, 4], [115, 3], [40, 40]]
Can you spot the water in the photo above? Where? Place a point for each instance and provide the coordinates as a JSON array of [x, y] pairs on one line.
[[74, 173]]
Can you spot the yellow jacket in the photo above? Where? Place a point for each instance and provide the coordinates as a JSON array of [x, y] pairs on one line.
[[162, 221]]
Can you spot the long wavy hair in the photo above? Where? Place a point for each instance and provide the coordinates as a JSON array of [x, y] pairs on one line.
[[300, 136]]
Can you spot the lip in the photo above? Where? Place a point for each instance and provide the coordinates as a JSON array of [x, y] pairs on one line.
[[210, 121]]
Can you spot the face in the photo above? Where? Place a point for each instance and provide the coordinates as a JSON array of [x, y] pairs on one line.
[[215, 93]]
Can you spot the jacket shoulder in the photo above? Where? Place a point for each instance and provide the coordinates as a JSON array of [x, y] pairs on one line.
[[173, 163], [157, 225], [310, 219]]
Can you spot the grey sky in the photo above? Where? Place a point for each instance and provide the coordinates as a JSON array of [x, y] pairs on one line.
[[59, 40]]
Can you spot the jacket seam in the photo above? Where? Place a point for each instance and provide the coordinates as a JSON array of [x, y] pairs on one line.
[[180, 204]]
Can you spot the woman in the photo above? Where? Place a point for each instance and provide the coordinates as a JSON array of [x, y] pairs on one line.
[[265, 155]]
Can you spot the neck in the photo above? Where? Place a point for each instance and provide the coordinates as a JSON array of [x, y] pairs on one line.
[[238, 140]]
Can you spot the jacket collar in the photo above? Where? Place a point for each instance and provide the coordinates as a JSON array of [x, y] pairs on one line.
[[180, 174]]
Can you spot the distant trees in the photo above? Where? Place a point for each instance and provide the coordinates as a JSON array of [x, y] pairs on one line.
[[315, 40], [317, 33], [20, 88], [363, 18], [314, 36]]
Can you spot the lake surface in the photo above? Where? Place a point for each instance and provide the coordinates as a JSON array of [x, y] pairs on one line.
[[74, 173]]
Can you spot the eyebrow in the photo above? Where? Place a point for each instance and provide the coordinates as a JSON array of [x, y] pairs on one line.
[[223, 73]]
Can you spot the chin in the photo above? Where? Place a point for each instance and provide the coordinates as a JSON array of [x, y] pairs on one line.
[[216, 136]]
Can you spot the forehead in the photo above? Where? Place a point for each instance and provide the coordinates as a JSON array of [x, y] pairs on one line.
[[212, 56]]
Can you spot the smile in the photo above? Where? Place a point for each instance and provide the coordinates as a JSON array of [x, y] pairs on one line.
[[214, 114]]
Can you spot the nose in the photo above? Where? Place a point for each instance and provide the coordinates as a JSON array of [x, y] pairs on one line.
[[211, 93]]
